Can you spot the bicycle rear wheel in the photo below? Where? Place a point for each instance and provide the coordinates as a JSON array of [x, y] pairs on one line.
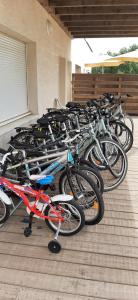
[[73, 215]]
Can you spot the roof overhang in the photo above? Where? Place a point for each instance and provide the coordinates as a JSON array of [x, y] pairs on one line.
[[95, 18]]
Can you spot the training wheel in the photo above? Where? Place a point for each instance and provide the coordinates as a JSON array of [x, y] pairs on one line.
[[54, 246], [27, 231]]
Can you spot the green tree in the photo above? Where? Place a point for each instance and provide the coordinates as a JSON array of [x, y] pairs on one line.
[[126, 68]]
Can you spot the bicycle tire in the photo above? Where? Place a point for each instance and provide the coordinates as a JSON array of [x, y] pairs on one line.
[[109, 182], [94, 175], [89, 203], [6, 214], [120, 127], [76, 209]]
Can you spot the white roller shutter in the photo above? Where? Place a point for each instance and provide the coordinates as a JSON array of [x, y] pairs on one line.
[[13, 83]]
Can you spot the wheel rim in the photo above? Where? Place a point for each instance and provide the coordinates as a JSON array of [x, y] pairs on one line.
[[87, 198], [72, 218], [117, 164], [2, 210]]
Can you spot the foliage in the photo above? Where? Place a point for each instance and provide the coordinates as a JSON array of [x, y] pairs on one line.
[[127, 68]]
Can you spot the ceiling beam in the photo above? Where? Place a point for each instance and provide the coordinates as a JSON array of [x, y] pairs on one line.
[[92, 10], [103, 28], [106, 31], [99, 17], [104, 35], [100, 23], [77, 3]]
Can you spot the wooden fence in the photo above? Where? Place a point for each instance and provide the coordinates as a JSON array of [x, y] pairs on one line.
[[91, 86]]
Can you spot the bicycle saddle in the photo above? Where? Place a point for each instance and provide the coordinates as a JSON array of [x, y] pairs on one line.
[[50, 117], [42, 179], [73, 104], [94, 102], [18, 129]]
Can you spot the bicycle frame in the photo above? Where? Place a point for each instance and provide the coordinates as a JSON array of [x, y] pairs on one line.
[[57, 162], [21, 191]]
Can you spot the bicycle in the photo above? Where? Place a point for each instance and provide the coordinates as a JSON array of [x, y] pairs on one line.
[[57, 211]]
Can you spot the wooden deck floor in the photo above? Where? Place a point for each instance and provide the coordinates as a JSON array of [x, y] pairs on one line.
[[99, 263]]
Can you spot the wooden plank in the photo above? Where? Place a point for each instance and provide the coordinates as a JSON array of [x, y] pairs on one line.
[[104, 35], [70, 285], [72, 244], [100, 17], [99, 23], [104, 238], [101, 76], [77, 257], [20, 293], [8, 292], [69, 270], [100, 228], [114, 230], [96, 29], [79, 3], [92, 10]]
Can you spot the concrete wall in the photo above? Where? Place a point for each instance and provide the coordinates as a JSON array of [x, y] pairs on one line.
[[47, 47]]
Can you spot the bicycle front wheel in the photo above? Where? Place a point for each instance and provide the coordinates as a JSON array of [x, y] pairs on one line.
[[85, 192], [93, 173], [123, 134], [4, 212], [111, 159]]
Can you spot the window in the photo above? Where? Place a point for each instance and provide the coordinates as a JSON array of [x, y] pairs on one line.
[[13, 79]]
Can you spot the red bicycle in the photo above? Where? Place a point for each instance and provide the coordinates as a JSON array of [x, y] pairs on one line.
[[61, 213]]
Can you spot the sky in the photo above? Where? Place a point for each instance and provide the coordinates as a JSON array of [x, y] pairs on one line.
[[81, 52]]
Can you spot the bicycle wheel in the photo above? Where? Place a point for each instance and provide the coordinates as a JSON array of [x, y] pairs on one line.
[[4, 208], [73, 215], [123, 134], [112, 162], [87, 195], [128, 121], [93, 173], [4, 211], [12, 173], [26, 140], [2, 152]]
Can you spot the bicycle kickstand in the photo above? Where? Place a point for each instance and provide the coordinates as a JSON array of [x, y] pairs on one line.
[[28, 230]]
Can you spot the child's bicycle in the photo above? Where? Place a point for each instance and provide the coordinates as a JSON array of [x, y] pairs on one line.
[[60, 212]]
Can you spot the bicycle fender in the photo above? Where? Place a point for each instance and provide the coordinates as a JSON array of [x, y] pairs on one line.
[[61, 198], [5, 198]]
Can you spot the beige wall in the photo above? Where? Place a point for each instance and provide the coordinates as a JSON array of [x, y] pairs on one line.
[[27, 20]]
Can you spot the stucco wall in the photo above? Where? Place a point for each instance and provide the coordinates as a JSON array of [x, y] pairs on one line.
[[27, 21]]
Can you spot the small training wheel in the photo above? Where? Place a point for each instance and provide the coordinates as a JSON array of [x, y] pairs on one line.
[[27, 231], [54, 246]]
